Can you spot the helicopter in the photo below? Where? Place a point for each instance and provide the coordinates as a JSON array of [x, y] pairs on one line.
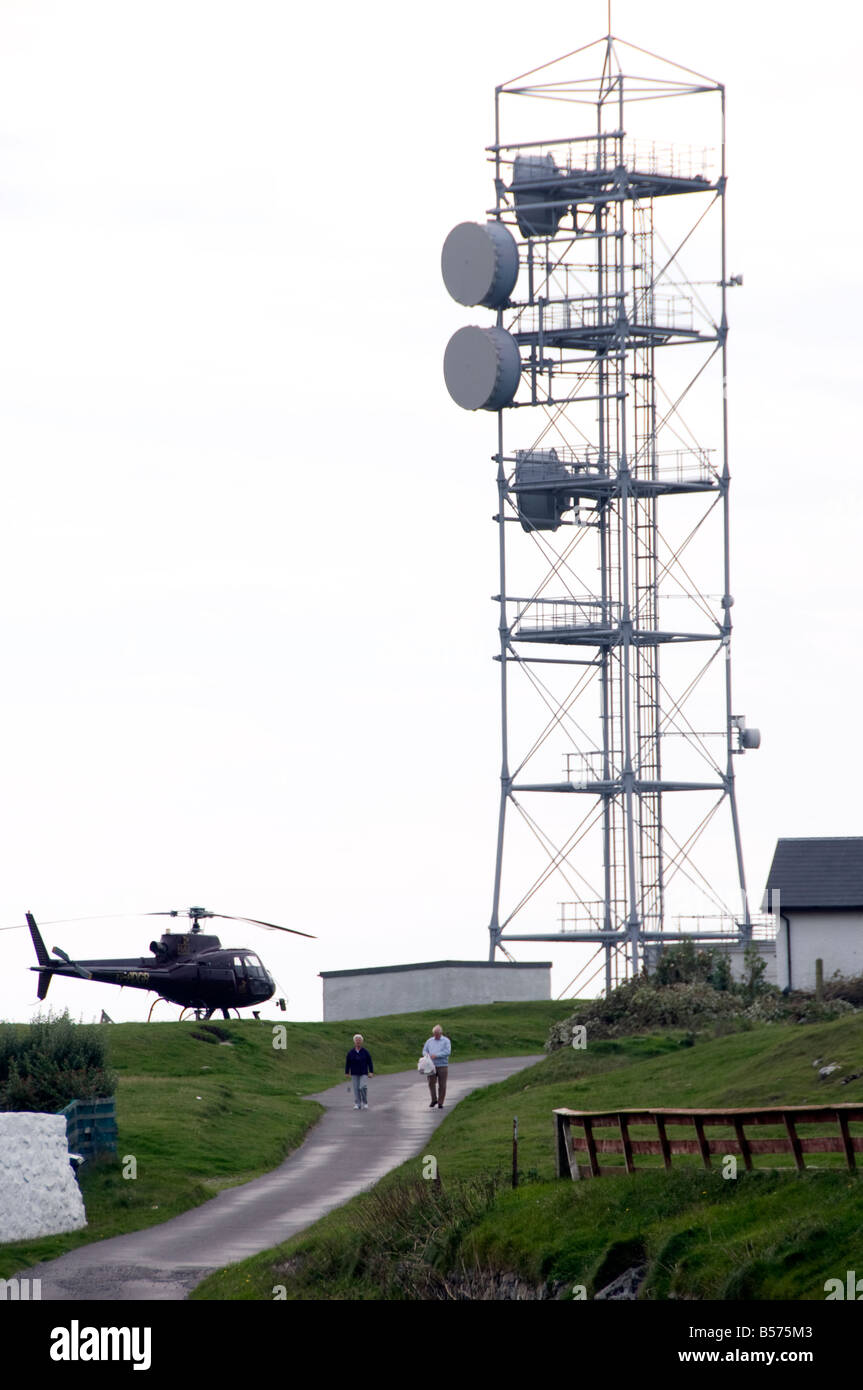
[[190, 968]]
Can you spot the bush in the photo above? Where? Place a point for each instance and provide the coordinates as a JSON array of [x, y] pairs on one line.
[[642, 1004], [851, 990], [692, 988], [684, 964], [50, 1062], [754, 983]]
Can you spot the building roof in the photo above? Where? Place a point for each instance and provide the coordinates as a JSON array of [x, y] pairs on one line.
[[818, 873], [440, 964]]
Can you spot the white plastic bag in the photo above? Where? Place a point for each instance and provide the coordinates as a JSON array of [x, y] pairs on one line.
[[425, 1065]]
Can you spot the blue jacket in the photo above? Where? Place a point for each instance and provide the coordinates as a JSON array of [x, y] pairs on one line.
[[439, 1050], [358, 1063]]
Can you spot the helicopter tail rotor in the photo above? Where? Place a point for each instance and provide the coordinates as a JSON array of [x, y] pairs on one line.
[[79, 969]]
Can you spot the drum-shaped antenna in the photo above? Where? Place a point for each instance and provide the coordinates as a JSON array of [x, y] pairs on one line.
[[541, 509], [536, 180], [479, 263], [482, 368]]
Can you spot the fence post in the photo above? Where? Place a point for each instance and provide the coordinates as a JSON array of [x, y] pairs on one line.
[[847, 1145], [794, 1137]]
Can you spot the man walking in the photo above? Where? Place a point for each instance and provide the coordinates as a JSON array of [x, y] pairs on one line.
[[359, 1067], [438, 1048]]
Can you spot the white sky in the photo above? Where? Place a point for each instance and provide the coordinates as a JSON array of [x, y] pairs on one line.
[[246, 637]]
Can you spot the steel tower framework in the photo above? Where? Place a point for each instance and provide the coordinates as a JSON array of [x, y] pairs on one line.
[[617, 724]]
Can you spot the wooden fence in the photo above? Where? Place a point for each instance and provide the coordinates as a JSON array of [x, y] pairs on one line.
[[578, 1148]]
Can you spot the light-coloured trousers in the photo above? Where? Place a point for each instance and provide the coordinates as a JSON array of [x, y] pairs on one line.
[[361, 1089]]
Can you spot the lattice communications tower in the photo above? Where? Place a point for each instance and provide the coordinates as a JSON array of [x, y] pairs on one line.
[[602, 267]]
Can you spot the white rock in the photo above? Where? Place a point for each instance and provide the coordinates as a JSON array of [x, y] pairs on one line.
[[38, 1192]]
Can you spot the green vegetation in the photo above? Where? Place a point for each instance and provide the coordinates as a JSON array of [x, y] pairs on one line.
[[765, 1235], [203, 1108], [198, 1116], [51, 1061], [691, 988]]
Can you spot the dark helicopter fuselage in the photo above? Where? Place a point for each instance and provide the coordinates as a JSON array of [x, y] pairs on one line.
[[188, 968]]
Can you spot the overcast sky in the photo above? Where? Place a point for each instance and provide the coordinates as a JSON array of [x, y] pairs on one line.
[[246, 634]]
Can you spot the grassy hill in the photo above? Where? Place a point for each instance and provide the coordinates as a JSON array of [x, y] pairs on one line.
[[765, 1235], [199, 1114]]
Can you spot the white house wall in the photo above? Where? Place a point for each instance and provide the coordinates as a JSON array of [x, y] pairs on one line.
[[835, 937]]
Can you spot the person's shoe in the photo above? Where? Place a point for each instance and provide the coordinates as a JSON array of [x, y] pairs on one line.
[[440, 1105], [433, 1104], [356, 1107], [365, 1105]]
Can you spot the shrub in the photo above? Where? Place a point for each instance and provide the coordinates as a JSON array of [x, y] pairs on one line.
[[694, 989], [685, 964], [755, 965], [642, 1004], [53, 1061], [851, 990]]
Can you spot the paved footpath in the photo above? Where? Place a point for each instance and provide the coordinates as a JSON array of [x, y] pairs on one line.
[[348, 1150]]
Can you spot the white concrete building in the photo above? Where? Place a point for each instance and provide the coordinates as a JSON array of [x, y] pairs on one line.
[[815, 890], [438, 984]]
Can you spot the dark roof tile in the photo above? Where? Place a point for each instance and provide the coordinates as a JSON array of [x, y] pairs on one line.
[[818, 873]]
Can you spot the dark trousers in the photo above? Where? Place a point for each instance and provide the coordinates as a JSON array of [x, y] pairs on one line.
[[437, 1084]]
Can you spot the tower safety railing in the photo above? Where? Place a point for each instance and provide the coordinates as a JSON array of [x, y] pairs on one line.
[[553, 615]]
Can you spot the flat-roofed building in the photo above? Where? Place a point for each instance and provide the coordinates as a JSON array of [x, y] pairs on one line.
[[436, 984]]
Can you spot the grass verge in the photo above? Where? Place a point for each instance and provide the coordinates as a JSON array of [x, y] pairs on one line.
[[198, 1116], [766, 1235]]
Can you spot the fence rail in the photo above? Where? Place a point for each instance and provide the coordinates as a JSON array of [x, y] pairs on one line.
[[577, 1154]]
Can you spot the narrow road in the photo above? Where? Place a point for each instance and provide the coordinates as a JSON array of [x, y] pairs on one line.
[[347, 1151]]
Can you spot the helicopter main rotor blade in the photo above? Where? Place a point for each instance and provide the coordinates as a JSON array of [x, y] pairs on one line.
[[65, 921], [175, 912], [226, 917], [271, 926]]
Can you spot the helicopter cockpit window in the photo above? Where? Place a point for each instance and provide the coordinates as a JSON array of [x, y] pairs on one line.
[[255, 969], [238, 964]]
